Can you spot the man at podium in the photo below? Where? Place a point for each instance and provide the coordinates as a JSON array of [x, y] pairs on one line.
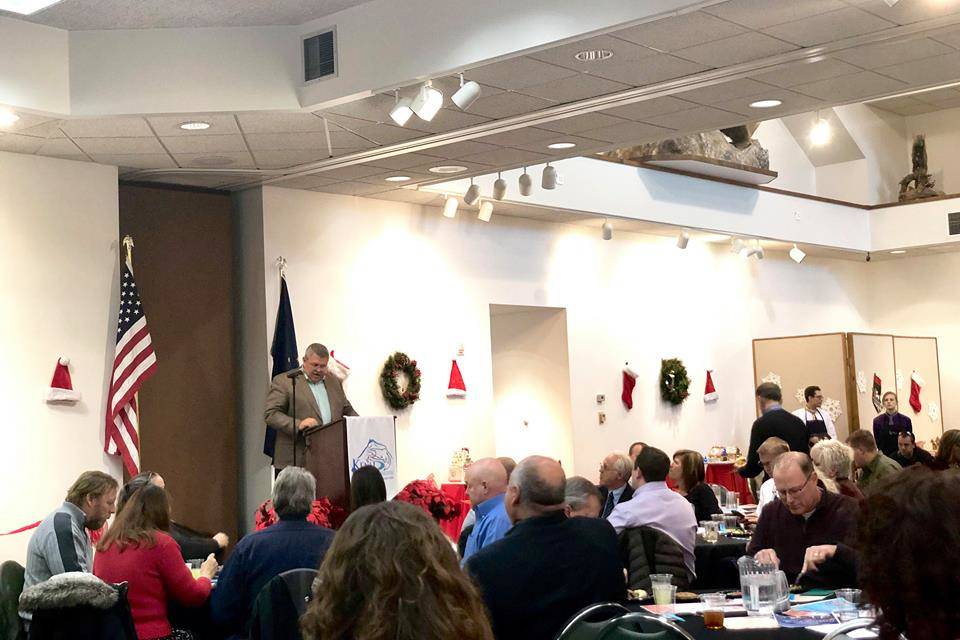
[[320, 400]]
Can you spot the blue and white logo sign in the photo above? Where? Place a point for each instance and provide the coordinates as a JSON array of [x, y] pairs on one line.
[[375, 454]]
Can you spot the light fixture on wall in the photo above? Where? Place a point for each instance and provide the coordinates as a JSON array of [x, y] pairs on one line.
[[427, 102], [820, 132], [466, 95], [797, 254], [606, 231], [499, 188], [526, 183], [401, 110], [472, 194], [8, 117], [549, 179], [683, 239], [450, 206], [755, 250], [486, 211]]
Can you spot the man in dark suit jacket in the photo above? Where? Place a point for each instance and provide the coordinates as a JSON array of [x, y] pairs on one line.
[[320, 400], [774, 422], [615, 472], [547, 567]]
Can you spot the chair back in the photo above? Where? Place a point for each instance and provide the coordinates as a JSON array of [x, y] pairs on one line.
[[11, 586], [279, 605], [587, 623], [645, 551], [462, 540], [852, 625], [86, 622], [642, 626]]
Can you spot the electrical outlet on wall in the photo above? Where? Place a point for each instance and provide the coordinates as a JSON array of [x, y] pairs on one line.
[[601, 417], [601, 398]]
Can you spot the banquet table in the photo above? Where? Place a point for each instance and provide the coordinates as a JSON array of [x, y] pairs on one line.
[[725, 475], [716, 563], [458, 492]]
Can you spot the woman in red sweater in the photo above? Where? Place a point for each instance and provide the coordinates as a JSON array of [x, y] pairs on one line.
[[137, 550]]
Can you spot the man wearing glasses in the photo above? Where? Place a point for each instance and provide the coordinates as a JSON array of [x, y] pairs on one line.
[[805, 516], [819, 423]]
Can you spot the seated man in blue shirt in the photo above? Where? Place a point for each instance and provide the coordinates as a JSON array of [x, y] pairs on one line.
[[486, 483], [292, 543]]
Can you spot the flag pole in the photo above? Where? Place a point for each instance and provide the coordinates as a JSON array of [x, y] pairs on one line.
[[128, 245]]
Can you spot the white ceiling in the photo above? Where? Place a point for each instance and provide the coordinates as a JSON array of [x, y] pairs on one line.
[[82, 15]]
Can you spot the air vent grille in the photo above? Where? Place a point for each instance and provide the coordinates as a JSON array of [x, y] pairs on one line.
[[320, 56], [953, 221]]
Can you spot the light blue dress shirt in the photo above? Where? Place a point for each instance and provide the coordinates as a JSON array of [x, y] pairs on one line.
[[323, 401], [492, 524]]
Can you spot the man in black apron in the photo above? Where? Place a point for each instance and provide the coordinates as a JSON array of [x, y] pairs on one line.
[[819, 424]]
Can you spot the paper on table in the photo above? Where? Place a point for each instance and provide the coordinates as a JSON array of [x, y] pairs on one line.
[[824, 629], [748, 622]]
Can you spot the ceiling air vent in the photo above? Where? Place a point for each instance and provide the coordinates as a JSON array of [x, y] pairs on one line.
[[320, 56], [953, 221]]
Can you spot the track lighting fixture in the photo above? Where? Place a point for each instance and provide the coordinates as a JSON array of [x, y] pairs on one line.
[[466, 95], [797, 254], [472, 194], [736, 246], [526, 183], [606, 231], [450, 206], [756, 250], [549, 179], [401, 110], [486, 211], [499, 188], [683, 239], [427, 102]]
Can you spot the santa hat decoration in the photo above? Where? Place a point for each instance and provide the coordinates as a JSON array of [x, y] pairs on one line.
[[710, 392], [339, 370], [456, 388], [61, 387]]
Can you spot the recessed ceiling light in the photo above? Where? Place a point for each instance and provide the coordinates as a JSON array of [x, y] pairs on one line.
[[562, 145], [898, 251], [766, 104], [26, 7], [7, 117], [447, 168], [593, 55], [195, 125], [397, 178]]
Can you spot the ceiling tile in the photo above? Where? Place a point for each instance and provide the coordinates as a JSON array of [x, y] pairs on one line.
[[411, 195], [680, 31], [407, 161], [375, 108], [18, 143], [136, 161], [221, 160], [724, 91], [506, 156], [698, 119], [122, 146], [282, 159], [285, 141], [805, 72], [938, 96], [462, 149], [60, 148], [628, 133], [220, 124], [349, 123], [564, 55], [855, 86], [305, 182], [518, 73], [352, 172], [434, 162], [757, 14], [204, 144], [829, 27], [518, 136], [653, 69], [949, 36], [200, 180], [32, 124], [927, 71], [448, 120], [908, 12], [792, 103], [388, 133], [730, 51], [576, 124], [342, 139], [885, 54], [381, 178], [905, 106], [577, 87], [504, 105], [279, 121], [651, 107], [352, 188], [107, 128]]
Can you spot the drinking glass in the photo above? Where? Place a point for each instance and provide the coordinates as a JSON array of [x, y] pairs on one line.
[[711, 530], [721, 523], [665, 594], [661, 578], [848, 604], [713, 610], [731, 522]]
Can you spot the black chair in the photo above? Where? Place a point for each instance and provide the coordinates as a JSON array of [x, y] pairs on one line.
[[86, 622], [280, 604], [11, 586], [645, 551], [590, 620], [642, 626], [462, 540]]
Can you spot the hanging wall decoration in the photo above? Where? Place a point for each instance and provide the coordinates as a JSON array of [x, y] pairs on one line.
[[674, 383], [799, 396], [833, 408], [875, 396], [861, 382], [772, 377], [899, 380], [933, 411], [709, 389], [400, 363], [916, 385]]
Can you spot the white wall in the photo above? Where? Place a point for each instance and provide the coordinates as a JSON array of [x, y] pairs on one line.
[[58, 297], [848, 181], [369, 277], [882, 137], [34, 67], [786, 158]]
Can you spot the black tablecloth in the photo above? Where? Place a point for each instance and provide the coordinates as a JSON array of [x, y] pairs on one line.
[[717, 563], [694, 626]]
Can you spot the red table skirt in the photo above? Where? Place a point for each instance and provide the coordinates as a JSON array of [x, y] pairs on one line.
[[725, 475], [458, 492]]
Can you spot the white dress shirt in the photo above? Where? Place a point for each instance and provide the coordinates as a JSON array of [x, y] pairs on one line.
[[768, 493], [818, 414]]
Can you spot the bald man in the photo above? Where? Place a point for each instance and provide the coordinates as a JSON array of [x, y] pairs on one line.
[[486, 481], [548, 566]]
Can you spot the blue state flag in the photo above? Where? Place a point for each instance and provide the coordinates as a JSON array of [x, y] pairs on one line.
[[283, 351]]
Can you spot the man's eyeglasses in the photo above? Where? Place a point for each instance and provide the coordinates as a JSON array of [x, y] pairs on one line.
[[793, 493]]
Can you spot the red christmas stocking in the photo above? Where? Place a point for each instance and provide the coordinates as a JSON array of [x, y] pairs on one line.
[[629, 382], [916, 384]]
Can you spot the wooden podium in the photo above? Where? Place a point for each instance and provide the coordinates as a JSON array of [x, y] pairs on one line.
[[328, 459]]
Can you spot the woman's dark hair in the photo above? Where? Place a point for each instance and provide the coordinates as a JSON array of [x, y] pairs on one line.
[[135, 483], [692, 472], [146, 512], [948, 453], [913, 582], [366, 487], [390, 574]]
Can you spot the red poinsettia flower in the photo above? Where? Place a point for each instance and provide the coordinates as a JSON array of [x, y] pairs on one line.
[[426, 495], [320, 514]]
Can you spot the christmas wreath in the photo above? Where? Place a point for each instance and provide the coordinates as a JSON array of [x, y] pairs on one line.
[[673, 381], [396, 364]]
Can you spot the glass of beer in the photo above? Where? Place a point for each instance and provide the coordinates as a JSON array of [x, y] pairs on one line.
[[713, 610]]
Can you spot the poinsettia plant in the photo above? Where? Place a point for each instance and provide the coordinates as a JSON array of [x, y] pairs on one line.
[[322, 513], [428, 496]]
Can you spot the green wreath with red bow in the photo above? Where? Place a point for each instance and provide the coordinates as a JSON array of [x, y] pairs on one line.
[[396, 365], [674, 383]]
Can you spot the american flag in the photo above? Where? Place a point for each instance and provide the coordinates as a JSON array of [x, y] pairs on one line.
[[133, 363]]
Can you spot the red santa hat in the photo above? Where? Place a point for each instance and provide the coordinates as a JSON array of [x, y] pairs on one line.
[[710, 392], [456, 388], [61, 387], [339, 370]]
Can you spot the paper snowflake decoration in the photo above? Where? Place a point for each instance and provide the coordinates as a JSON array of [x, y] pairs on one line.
[[799, 395], [861, 382], [933, 410], [833, 408], [899, 380], [771, 377]]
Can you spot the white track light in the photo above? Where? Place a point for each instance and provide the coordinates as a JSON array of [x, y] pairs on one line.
[[606, 231], [450, 207], [549, 179], [797, 254], [683, 239], [401, 111], [736, 246], [526, 183], [499, 188], [427, 103], [472, 194], [486, 211], [466, 95], [756, 250]]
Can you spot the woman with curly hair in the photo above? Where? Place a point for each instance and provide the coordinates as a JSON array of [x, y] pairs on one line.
[[392, 575], [948, 453]]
